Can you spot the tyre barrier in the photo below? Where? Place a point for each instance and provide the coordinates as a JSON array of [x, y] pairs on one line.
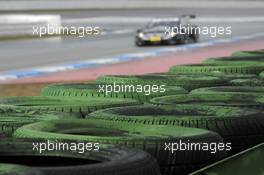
[[109, 160], [236, 60], [86, 90], [186, 81], [211, 99], [242, 127], [12, 169], [133, 79], [9, 124], [224, 76], [194, 81], [245, 94], [247, 162], [249, 53], [76, 106], [207, 68], [11, 119], [260, 99], [261, 75], [214, 112], [247, 82], [152, 139], [236, 90]]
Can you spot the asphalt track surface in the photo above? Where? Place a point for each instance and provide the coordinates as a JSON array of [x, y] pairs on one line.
[[31, 53]]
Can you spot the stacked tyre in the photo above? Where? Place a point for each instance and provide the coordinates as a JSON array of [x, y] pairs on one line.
[[152, 140], [174, 122], [110, 160]]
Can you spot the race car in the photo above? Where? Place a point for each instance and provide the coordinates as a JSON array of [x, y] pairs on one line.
[[168, 31]]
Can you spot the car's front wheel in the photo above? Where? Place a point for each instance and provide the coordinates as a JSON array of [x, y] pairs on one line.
[[188, 40], [139, 42]]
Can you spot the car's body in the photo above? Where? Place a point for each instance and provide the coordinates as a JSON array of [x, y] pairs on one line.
[[156, 32]]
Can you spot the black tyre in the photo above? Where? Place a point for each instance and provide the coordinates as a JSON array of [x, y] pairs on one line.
[[139, 42], [152, 139], [12, 169], [109, 160], [93, 90], [77, 106], [186, 39], [207, 68], [242, 127]]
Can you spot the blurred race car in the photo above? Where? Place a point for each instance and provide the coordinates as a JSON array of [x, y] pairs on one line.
[[168, 31]]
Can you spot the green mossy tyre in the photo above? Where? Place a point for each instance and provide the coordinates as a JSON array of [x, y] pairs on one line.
[[236, 90], [236, 60], [261, 75], [186, 81], [249, 53], [151, 139], [247, 162], [221, 99], [11, 119], [243, 96], [192, 81], [133, 79], [9, 124], [260, 99], [242, 127], [221, 75], [78, 107], [207, 68], [92, 90], [12, 169], [247, 82], [109, 160]]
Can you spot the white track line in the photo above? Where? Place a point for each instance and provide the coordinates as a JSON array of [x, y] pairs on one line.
[[131, 20], [34, 72]]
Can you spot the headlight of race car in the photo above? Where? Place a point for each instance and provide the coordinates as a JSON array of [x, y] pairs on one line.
[[141, 35]]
